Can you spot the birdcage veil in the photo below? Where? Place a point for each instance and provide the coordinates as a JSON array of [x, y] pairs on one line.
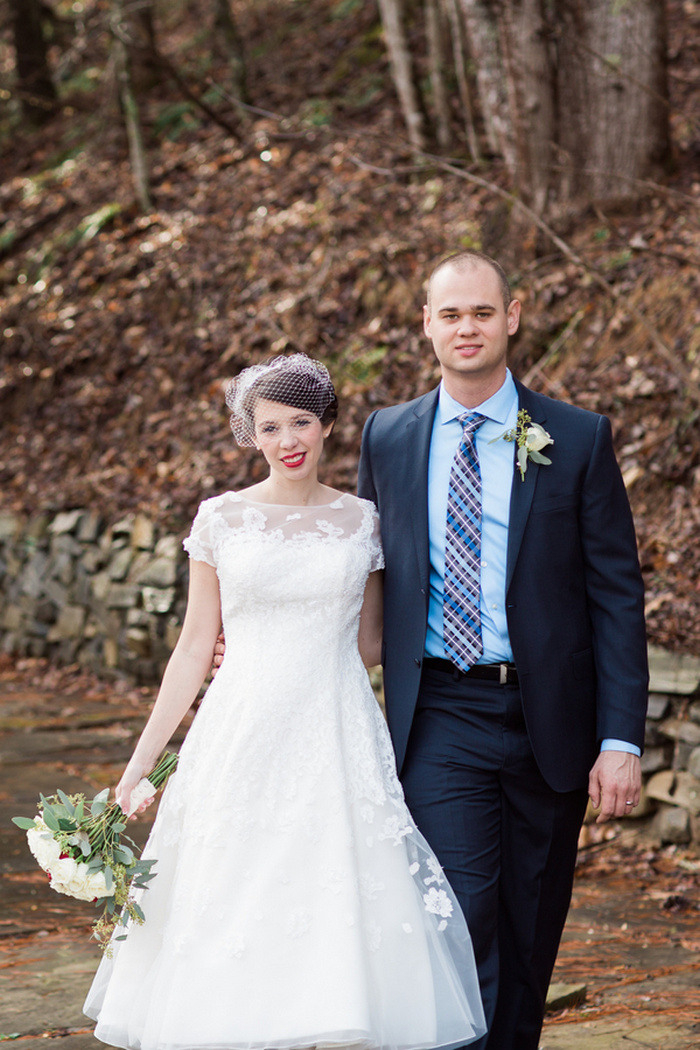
[[294, 379]]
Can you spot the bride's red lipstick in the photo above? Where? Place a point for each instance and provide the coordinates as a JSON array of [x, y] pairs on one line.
[[297, 463]]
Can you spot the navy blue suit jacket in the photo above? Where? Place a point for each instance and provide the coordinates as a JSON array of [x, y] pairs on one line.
[[574, 592]]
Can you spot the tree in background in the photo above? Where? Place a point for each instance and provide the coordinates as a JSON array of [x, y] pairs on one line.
[[572, 94], [136, 64], [228, 43], [134, 54], [35, 88]]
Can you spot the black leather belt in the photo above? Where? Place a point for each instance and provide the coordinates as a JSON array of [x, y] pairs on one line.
[[504, 674]]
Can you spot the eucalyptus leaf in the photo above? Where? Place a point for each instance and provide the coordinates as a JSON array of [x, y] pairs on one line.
[[25, 823], [49, 819], [138, 911], [124, 854], [109, 877], [70, 808], [142, 880], [537, 457]]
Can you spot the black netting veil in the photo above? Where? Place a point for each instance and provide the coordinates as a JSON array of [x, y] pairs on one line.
[[294, 379]]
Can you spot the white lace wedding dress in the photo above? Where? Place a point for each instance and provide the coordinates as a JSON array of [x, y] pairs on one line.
[[295, 903]]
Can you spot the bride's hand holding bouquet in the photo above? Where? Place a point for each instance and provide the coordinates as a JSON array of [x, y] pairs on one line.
[[82, 847]]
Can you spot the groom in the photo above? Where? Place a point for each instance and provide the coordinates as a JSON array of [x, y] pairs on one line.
[[515, 654]]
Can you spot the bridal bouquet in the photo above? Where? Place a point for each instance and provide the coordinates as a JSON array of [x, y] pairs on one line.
[[82, 847]]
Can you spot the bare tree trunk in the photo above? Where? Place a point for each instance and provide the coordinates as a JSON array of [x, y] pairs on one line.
[[34, 84], [612, 92], [229, 43], [139, 37], [402, 71], [454, 16], [480, 19], [436, 57], [530, 87], [129, 105]]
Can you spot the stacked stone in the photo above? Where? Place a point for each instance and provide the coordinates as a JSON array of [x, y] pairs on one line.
[[671, 760], [76, 589]]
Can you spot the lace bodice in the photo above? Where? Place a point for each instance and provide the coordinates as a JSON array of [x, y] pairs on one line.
[[292, 581], [284, 568]]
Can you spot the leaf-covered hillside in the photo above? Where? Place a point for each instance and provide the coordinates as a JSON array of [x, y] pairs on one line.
[[312, 229]]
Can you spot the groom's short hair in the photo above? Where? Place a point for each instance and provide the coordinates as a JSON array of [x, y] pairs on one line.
[[468, 257]]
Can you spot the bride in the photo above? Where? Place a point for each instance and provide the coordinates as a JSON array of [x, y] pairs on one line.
[[295, 902]]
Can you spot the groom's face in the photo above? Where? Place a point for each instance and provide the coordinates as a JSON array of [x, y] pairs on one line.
[[469, 326]]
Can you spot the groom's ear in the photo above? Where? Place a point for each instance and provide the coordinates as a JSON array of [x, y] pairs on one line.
[[426, 320], [513, 316]]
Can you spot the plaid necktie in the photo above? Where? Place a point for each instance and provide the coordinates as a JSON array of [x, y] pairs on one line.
[[461, 610]]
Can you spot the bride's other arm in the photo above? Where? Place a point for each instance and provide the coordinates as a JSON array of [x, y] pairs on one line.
[[369, 638], [184, 674]]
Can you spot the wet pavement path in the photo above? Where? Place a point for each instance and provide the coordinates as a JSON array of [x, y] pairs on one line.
[[632, 938]]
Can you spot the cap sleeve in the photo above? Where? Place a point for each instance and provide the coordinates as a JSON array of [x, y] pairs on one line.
[[375, 544], [199, 544]]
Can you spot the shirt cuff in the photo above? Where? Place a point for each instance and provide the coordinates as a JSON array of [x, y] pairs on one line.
[[609, 744]]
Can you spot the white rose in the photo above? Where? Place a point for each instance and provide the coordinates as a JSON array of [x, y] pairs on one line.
[[537, 438], [75, 880], [98, 885], [45, 850], [64, 873]]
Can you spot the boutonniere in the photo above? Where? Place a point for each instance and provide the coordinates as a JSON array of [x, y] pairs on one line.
[[530, 438]]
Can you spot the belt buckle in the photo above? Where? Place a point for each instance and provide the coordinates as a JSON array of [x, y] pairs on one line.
[[503, 674]]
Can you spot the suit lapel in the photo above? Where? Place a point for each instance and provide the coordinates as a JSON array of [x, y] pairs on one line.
[[419, 430], [522, 491]]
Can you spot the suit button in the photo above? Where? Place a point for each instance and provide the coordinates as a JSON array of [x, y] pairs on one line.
[[416, 661]]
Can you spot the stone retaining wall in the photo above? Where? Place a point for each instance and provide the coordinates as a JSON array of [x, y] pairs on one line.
[[671, 759], [76, 589]]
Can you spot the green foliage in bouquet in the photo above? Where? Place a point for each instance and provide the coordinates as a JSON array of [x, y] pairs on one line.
[[83, 847]]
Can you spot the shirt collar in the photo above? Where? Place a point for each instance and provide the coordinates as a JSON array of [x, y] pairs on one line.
[[497, 407]]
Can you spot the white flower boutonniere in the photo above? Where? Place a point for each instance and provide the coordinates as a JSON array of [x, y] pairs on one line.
[[530, 438]]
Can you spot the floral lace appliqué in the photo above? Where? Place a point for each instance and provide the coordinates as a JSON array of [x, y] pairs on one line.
[[438, 903]]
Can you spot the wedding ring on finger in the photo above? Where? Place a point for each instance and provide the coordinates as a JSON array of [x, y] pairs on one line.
[[629, 803]]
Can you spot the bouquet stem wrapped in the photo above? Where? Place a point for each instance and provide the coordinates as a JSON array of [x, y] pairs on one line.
[[82, 846]]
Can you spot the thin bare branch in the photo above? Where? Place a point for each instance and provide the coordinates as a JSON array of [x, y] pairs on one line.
[[678, 365]]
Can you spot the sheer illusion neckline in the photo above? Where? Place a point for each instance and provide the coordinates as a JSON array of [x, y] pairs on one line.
[[292, 506]]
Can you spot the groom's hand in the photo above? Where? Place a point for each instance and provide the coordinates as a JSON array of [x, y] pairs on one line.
[[218, 657], [615, 781]]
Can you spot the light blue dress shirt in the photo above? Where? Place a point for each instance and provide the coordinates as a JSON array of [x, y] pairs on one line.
[[496, 462], [496, 466]]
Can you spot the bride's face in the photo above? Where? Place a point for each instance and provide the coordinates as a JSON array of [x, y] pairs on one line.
[[290, 439]]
